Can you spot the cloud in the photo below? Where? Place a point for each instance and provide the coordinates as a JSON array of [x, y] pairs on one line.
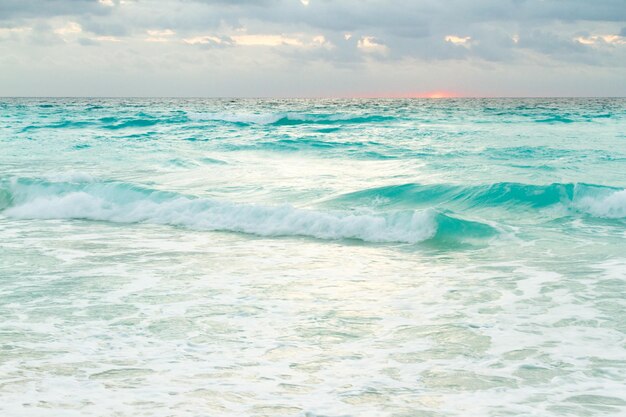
[[266, 40], [344, 36], [14, 30], [205, 40], [23, 9], [71, 28], [371, 45], [412, 29], [163, 35], [601, 39], [107, 39], [458, 40]]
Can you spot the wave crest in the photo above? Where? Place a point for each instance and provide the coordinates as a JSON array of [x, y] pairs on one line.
[[128, 203], [604, 205], [595, 200], [285, 119]]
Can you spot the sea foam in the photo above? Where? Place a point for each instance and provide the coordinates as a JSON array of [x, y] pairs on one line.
[[127, 203], [608, 205]]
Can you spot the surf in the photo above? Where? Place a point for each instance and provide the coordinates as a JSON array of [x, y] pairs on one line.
[[590, 199], [87, 199]]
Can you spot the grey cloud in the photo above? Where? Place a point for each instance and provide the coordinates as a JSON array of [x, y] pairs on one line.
[[549, 43], [501, 32], [579, 10], [568, 50], [87, 42], [416, 29], [20, 9], [105, 27], [411, 19]]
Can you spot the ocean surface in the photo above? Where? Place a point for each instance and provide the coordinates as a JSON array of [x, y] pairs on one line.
[[196, 257]]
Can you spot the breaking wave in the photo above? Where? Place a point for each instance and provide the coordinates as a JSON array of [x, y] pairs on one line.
[[84, 198], [594, 200]]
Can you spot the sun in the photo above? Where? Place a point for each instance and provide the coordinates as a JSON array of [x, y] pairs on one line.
[[437, 94], [427, 94]]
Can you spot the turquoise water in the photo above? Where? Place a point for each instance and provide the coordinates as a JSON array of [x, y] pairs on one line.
[[190, 257]]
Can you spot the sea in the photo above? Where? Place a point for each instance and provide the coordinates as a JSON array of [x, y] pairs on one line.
[[312, 257]]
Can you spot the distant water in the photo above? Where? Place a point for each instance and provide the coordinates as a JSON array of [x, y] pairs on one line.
[[171, 257]]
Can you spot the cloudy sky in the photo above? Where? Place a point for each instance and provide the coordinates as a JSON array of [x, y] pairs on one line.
[[311, 48]]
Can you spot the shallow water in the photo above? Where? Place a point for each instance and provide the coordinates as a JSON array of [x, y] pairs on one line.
[[172, 257]]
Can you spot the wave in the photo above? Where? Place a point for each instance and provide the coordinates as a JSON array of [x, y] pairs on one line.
[[531, 152], [128, 203], [64, 124], [555, 119], [594, 200], [326, 148], [286, 119], [109, 123], [609, 205], [140, 121]]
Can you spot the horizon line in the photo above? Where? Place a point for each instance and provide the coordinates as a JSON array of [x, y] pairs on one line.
[[377, 97]]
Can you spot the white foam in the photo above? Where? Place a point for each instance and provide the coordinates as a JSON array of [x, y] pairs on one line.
[[611, 206], [205, 214]]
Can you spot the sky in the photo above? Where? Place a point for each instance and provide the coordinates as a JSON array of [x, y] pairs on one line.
[[313, 48]]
